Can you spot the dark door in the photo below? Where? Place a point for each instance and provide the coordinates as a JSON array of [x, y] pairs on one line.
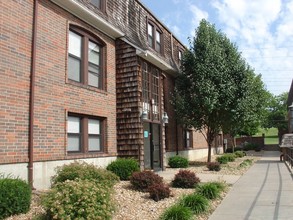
[[152, 146]]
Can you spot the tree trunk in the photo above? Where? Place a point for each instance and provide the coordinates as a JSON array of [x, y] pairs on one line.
[[209, 152]]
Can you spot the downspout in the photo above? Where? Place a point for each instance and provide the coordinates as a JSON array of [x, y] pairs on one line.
[[32, 96]]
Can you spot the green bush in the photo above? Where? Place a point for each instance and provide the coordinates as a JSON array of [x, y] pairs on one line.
[[209, 190], [220, 185], [214, 166], [246, 163], [225, 158], [79, 199], [15, 197], [185, 179], [177, 212], [84, 171], [197, 203], [251, 146], [144, 179], [123, 167], [178, 162], [230, 150], [159, 191], [240, 154]]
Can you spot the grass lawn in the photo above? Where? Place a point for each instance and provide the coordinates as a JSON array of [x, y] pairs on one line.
[[271, 135]]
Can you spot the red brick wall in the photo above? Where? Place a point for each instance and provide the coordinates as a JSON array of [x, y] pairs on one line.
[[15, 52], [54, 95]]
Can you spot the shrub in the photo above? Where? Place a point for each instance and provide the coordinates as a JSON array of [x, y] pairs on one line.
[[15, 196], [177, 212], [240, 154], [197, 203], [222, 159], [159, 191], [209, 190], [214, 166], [220, 185], [178, 162], [123, 167], [250, 146], [79, 199], [84, 171], [225, 158], [230, 150], [246, 163], [143, 180], [185, 179]]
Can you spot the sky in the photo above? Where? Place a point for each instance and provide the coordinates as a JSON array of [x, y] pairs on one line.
[[261, 29]]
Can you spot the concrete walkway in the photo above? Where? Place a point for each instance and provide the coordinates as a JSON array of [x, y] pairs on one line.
[[265, 192]]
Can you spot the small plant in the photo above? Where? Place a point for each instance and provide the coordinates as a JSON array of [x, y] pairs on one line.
[[220, 185], [79, 199], [230, 149], [144, 179], [159, 191], [185, 179], [222, 159], [214, 166], [250, 146], [225, 158], [15, 196], [84, 171], [246, 163], [177, 212], [240, 154], [197, 203], [209, 190], [123, 167], [178, 162]]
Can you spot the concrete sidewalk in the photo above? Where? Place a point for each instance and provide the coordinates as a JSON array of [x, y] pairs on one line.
[[265, 191]]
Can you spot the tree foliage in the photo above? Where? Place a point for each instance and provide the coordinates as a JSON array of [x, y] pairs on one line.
[[277, 112], [216, 90]]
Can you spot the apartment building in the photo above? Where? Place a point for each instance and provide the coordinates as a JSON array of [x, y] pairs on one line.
[[87, 80]]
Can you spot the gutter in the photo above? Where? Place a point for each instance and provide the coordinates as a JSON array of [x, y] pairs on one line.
[[32, 97], [79, 10]]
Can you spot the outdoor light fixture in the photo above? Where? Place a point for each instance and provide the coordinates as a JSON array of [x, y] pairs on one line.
[[144, 115], [165, 118]]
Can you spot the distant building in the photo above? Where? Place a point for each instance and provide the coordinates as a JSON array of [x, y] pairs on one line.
[[87, 80]]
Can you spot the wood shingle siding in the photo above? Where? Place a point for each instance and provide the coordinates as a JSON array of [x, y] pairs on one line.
[[128, 81]]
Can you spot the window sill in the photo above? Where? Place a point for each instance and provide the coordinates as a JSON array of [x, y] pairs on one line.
[[87, 87], [79, 155]]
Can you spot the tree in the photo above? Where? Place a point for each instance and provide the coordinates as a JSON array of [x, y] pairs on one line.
[[277, 113], [214, 90]]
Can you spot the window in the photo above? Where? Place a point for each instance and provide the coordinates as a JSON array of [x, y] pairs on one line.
[[155, 37], [96, 3], [99, 4], [188, 138], [180, 56], [150, 91], [84, 134], [85, 59]]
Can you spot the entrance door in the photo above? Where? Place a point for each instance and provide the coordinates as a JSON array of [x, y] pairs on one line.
[[152, 147]]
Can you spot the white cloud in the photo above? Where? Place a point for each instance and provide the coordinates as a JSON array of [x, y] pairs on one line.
[[197, 16], [261, 29]]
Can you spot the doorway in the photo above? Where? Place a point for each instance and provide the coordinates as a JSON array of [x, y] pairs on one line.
[[152, 146]]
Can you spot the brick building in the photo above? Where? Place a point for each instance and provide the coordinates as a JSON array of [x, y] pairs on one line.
[[88, 80]]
